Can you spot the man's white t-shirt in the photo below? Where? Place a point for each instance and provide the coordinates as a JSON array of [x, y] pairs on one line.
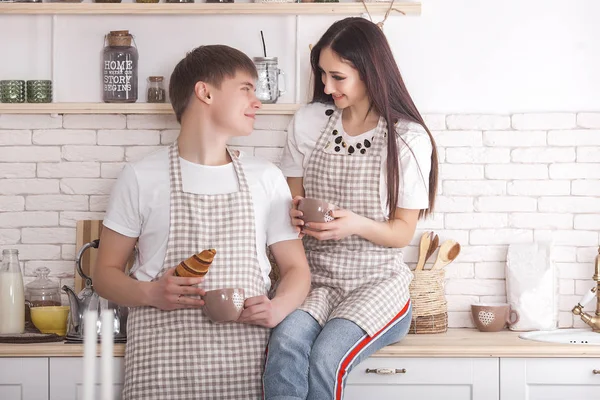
[[139, 205], [307, 126]]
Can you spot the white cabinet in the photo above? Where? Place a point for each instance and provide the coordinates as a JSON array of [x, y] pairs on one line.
[[425, 378], [61, 378], [24, 378], [550, 378], [66, 378]]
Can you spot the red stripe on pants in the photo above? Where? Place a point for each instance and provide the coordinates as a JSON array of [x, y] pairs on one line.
[[361, 345]]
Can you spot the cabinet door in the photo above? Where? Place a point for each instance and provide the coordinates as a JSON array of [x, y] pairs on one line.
[[66, 378], [550, 378], [23, 378], [425, 378]]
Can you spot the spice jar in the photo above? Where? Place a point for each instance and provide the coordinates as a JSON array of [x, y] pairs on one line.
[[107, 1], [156, 91], [179, 1], [146, 1], [120, 68]]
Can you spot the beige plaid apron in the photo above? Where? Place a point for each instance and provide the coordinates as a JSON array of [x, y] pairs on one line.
[[352, 278], [176, 355]]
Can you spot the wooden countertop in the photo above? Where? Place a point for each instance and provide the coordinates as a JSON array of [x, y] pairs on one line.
[[454, 343]]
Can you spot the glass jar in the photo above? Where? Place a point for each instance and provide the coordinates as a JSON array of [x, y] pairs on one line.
[[42, 292], [179, 1], [12, 91], [270, 78], [12, 297], [107, 1], [120, 68], [39, 91], [146, 1], [156, 91], [219, 1]]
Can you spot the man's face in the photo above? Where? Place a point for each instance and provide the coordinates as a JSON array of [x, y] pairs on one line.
[[234, 104]]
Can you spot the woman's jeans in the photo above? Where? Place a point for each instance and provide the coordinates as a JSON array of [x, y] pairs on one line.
[[305, 361]]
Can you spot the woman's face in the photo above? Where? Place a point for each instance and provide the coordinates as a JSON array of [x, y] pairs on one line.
[[341, 79]]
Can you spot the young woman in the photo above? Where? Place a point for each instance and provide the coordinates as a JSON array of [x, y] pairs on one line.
[[362, 145]]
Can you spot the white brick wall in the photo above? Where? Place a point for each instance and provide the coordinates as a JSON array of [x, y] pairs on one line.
[[503, 179]]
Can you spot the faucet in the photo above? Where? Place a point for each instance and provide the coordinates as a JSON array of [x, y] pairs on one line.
[[591, 320]]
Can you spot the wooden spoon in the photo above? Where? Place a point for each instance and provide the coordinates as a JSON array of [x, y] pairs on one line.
[[423, 248], [449, 250], [434, 245]]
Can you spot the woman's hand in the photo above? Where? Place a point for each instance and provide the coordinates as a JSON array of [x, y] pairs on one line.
[[295, 215], [172, 292], [346, 223]]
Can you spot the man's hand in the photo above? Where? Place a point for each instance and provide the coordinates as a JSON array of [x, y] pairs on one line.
[[171, 292], [262, 311]]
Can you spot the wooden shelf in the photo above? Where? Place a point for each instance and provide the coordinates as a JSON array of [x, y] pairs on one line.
[[115, 108], [408, 8]]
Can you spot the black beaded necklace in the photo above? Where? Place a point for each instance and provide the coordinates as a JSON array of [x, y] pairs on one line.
[[340, 144]]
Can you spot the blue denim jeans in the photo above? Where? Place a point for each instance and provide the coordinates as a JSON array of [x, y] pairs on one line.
[[305, 361]]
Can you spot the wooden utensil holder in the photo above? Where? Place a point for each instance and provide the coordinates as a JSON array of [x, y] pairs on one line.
[[429, 307]]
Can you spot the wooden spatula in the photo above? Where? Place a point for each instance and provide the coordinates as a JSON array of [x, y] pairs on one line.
[[423, 248], [432, 247]]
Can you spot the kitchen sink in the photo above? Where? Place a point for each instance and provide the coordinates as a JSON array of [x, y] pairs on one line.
[[564, 336]]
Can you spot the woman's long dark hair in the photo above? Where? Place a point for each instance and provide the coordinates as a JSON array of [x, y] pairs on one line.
[[364, 45]]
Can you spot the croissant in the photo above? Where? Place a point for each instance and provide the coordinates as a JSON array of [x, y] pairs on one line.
[[197, 265]]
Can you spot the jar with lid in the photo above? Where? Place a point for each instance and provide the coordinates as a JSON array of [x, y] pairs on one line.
[[12, 297], [179, 1], [120, 68], [42, 292], [156, 90], [271, 79]]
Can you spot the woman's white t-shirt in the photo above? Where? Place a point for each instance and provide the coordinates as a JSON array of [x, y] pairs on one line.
[[307, 126], [139, 205]]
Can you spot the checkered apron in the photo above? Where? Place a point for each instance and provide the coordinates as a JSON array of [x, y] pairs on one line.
[[180, 354], [352, 278]]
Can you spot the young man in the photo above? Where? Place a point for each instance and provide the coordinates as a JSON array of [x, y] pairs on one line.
[[195, 195]]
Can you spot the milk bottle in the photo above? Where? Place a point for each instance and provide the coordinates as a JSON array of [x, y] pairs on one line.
[[12, 296]]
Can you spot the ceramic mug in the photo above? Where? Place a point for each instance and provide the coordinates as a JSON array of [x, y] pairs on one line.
[[493, 317], [315, 210], [223, 305]]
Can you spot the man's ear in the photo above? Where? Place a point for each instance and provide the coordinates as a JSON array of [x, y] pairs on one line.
[[202, 90]]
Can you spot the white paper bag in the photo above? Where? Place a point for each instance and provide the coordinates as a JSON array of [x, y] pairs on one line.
[[532, 286]]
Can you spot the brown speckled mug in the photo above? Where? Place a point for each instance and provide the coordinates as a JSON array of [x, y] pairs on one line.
[[224, 305], [315, 210], [493, 317]]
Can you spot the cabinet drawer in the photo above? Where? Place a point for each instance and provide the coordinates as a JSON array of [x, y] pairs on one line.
[[23, 378], [66, 378], [579, 371], [417, 370]]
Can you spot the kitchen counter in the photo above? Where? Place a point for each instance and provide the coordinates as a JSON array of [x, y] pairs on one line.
[[454, 343]]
